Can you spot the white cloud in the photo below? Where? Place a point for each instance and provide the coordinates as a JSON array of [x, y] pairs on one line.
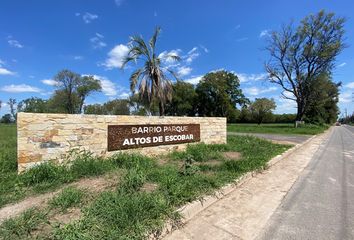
[[78, 57], [184, 71], [244, 77], [116, 56], [192, 55], [4, 71], [87, 17], [97, 41], [15, 43], [285, 106], [350, 85], [241, 39], [264, 33], [167, 57], [1, 62], [20, 88], [204, 48], [50, 82], [194, 80], [342, 64], [118, 2], [255, 91], [124, 95], [109, 88], [345, 97]]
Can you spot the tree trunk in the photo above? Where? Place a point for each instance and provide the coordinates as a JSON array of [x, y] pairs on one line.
[[161, 109], [300, 112]]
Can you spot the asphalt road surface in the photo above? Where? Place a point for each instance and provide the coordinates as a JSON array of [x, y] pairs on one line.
[[320, 205], [276, 137]]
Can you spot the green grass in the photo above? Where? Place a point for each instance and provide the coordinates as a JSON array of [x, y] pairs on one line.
[[22, 226], [67, 198], [276, 128], [129, 212]]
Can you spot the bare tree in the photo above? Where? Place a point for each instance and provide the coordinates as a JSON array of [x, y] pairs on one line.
[[299, 55], [12, 103]]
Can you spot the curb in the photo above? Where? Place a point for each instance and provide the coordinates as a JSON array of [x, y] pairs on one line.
[[190, 210]]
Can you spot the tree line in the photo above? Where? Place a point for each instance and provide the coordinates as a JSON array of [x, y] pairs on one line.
[[301, 62], [218, 94]]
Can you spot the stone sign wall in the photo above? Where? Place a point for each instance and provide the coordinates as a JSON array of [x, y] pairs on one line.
[[43, 137]]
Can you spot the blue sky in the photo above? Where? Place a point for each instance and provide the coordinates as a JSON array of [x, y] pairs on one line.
[[39, 38]]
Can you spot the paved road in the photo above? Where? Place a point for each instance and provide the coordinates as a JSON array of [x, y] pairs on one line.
[[276, 137], [245, 211], [320, 205]]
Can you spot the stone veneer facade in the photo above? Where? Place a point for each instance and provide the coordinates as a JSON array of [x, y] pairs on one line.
[[43, 137]]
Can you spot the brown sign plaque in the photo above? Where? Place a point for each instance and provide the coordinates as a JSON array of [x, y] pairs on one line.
[[137, 136]]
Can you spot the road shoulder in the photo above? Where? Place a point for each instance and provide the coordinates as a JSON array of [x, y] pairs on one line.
[[244, 210]]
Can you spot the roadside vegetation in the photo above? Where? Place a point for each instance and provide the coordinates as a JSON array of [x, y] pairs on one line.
[[277, 128], [145, 195]]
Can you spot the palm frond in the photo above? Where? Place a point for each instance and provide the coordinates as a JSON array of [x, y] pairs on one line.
[[175, 57], [126, 60], [153, 39], [139, 43], [134, 78]]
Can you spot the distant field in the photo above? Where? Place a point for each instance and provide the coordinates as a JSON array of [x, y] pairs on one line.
[[276, 128], [8, 164], [8, 148]]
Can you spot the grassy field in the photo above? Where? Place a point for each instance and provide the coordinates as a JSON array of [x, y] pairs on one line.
[[145, 195], [276, 128]]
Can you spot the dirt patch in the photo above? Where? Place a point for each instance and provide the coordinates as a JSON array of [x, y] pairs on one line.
[[232, 155], [162, 161], [149, 187], [94, 185], [55, 220], [67, 217], [212, 162], [16, 209]]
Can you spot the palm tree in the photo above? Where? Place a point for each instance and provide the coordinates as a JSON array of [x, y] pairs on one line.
[[152, 78]]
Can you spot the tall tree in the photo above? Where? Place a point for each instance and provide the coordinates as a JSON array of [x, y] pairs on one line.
[[67, 81], [152, 78], [183, 102], [114, 107], [87, 85], [323, 99], [219, 93], [58, 102], [33, 104], [262, 108], [12, 105], [299, 55], [73, 90]]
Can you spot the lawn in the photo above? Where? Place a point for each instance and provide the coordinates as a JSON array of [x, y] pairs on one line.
[[276, 128], [146, 194]]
